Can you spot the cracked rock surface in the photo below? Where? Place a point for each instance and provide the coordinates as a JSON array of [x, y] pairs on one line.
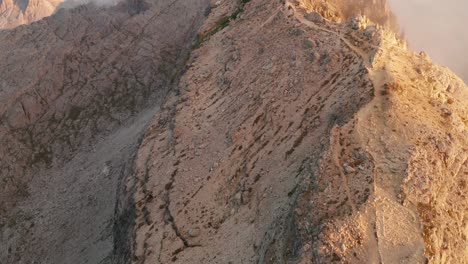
[[299, 140], [77, 90], [295, 132]]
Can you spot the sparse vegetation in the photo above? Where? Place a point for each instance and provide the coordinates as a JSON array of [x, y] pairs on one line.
[[221, 24]]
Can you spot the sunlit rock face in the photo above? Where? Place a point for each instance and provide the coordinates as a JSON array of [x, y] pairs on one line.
[[377, 11], [174, 131], [18, 12]]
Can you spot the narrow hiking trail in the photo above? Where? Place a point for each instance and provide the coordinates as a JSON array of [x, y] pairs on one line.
[[299, 15], [385, 210]]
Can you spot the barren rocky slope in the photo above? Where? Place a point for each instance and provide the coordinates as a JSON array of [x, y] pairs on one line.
[[76, 91], [297, 139], [298, 133]]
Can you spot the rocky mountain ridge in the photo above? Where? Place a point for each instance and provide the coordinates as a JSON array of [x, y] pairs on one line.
[[296, 132], [312, 154]]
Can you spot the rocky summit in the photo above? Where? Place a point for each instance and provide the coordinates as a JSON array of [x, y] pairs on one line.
[[232, 131]]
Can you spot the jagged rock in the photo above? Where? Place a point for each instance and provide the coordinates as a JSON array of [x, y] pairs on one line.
[[356, 22], [194, 232], [370, 31], [314, 17], [349, 169]]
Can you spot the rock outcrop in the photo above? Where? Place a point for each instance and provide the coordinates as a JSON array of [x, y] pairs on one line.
[[378, 11], [18, 12], [296, 132]]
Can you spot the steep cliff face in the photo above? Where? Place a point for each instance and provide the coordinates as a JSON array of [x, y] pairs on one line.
[[18, 12]]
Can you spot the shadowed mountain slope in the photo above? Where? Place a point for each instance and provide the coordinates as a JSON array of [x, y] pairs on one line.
[[76, 91]]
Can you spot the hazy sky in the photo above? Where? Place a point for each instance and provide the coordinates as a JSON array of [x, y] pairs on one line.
[[438, 27]]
